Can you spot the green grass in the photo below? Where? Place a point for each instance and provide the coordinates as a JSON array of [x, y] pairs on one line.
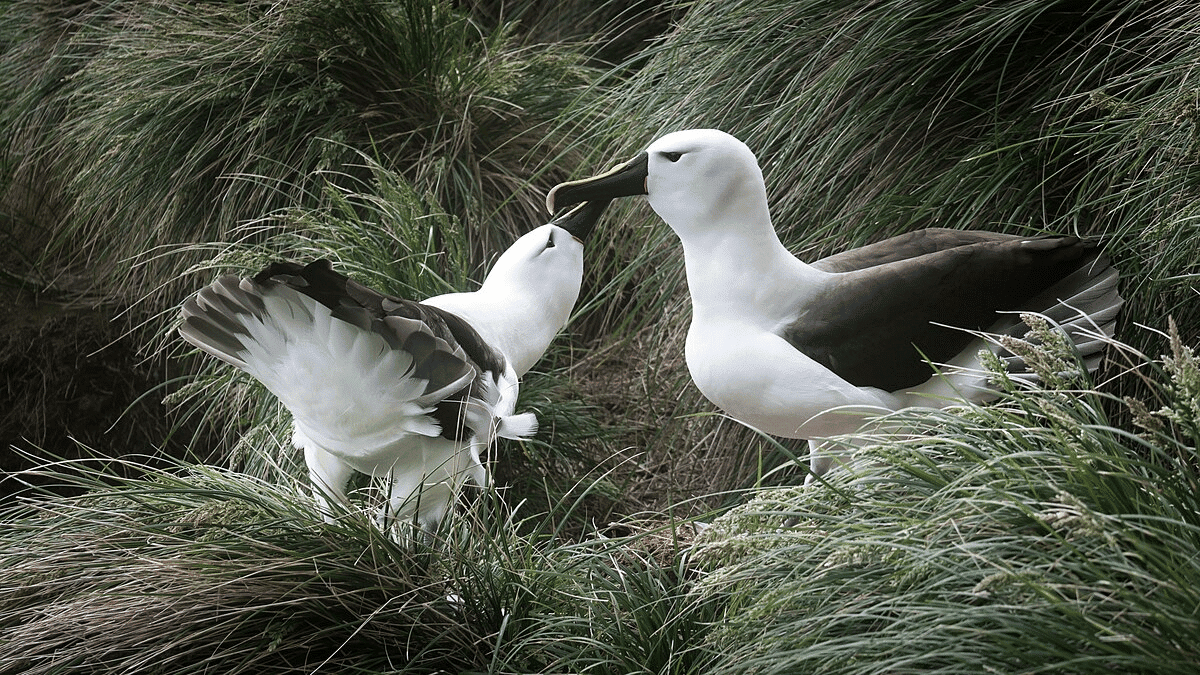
[[1053, 532], [160, 124], [197, 569], [1027, 536]]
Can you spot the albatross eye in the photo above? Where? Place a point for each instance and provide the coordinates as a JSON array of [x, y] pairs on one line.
[[672, 156]]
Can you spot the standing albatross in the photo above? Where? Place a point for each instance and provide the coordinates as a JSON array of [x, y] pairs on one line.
[[395, 388], [812, 351]]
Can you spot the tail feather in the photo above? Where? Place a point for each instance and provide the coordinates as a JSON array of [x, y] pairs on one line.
[[517, 427], [1084, 304]]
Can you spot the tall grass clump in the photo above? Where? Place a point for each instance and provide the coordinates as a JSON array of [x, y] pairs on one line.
[[205, 571], [1028, 536], [146, 119], [196, 570]]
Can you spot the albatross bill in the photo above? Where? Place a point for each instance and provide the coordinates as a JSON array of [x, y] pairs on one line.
[[814, 350], [399, 389]]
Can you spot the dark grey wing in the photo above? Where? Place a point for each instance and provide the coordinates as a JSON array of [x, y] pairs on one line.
[[876, 326], [905, 246], [210, 319]]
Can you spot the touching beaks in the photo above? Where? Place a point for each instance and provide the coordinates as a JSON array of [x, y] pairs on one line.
[[621, 181], [580, 220]]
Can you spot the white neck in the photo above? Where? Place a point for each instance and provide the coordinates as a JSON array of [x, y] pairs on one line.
[[742, 269], [526, 326], [518, 325]]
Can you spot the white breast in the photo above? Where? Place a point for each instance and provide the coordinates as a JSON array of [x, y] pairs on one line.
[[759, 379]]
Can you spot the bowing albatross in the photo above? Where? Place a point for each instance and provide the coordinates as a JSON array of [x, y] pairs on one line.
[[405, 390], [812, 351]]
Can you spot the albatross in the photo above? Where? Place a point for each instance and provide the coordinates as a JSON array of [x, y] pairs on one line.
[[394, 388], [813, 351]]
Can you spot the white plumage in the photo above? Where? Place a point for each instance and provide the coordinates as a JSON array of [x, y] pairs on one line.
[[813, 351], [404, 390]]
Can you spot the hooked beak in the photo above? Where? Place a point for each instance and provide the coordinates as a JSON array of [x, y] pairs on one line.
[[580, 220], [621, 181]]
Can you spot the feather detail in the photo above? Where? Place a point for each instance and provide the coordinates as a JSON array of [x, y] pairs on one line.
[[520, 427]]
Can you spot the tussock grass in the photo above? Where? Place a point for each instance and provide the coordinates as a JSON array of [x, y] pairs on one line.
[[1027, 536], [147, 117], [208, 569], [1056, 531], [200, 570]]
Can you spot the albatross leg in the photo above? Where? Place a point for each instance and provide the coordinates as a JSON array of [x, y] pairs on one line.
[[420, 501], [327, 474], [826, 454], [823, 455]]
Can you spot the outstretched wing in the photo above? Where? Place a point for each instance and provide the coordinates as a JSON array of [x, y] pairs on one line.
[[876, 325], [356, 368]]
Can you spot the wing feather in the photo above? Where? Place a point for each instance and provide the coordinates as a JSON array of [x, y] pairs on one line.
[[346, 360], [905, 246], [877, 324]]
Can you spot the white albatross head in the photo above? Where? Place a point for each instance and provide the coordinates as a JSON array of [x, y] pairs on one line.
[[699, 181], [530, 292]]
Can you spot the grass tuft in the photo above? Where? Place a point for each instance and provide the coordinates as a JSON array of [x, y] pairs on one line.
[[143, 117], [196, 569], [151, 146], [1031, 535]]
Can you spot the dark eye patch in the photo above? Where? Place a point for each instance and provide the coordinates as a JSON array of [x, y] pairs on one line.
[[672, 156]]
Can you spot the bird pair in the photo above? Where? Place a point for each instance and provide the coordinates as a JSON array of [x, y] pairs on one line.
[[413, 391]]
